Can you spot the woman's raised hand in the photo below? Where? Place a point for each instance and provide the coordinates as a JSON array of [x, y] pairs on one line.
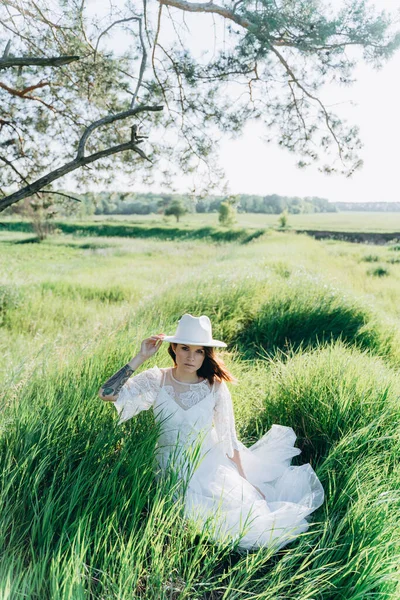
[[151, 345]]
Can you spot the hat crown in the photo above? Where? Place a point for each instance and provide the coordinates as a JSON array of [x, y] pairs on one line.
[[197, 329], [194, 331]]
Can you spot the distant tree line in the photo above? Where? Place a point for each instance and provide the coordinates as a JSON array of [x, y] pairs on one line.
[[146, 203], [136, 203], [127, 203]]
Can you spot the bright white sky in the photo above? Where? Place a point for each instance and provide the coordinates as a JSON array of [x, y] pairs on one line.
[[372, 103]]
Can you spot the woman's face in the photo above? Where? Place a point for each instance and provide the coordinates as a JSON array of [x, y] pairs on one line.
[[189, 358]]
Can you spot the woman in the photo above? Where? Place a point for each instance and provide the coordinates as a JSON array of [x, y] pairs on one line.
[[252, 494]]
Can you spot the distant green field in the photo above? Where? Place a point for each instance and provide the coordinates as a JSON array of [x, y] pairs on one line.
[[343, 221], [206, 225], [313, 337]]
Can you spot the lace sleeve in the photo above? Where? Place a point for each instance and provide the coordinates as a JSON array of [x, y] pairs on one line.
[[224, 420], [138, 393]]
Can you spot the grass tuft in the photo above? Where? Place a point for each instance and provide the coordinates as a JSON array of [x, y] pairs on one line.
[[378, 271], [303, 312]]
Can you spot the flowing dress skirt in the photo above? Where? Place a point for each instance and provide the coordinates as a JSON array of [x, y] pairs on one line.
[[219, 498]]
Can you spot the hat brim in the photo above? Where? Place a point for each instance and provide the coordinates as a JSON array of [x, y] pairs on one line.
[[212, 343]]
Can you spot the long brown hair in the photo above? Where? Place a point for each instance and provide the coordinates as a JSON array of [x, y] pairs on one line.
[[213, 365]]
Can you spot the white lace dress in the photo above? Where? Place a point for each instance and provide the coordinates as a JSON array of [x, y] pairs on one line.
[[197, 438]]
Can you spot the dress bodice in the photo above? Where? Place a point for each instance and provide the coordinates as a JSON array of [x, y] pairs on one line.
[[184, 409], [186, 395], [177, 418], [186, 413]]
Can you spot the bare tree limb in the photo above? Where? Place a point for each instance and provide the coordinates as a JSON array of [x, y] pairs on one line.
[[60, 194], [7, 49], [108, 29], [111, 119], [296, 105], [4, 123], [81, 160], [25, 61], [153, 56], [23, 93], [142, 64], [37, 185], [9, 163], [144, 51]]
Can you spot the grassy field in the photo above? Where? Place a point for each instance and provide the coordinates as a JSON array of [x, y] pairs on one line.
[[341, 221], [313, 337]]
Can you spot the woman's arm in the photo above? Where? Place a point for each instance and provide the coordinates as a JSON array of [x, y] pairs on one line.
[[224, 420], [238, 463], [110, 389], [236, 459]]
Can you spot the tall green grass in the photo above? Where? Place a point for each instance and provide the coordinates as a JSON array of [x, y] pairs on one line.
[[303, 311], [83, 516], [81, 509]]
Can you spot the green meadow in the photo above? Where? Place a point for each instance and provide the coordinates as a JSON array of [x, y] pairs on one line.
[[340, 221], [314, 340]]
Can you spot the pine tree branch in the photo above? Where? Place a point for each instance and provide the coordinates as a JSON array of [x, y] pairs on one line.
[[209, 7], [81, 160], [271, 42], [308, 94], [37, 185]]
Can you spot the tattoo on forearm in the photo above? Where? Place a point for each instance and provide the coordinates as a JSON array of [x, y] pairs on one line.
[[113, 385]]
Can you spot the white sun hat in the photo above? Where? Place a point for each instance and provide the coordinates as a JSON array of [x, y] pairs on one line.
[[194, 331]]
